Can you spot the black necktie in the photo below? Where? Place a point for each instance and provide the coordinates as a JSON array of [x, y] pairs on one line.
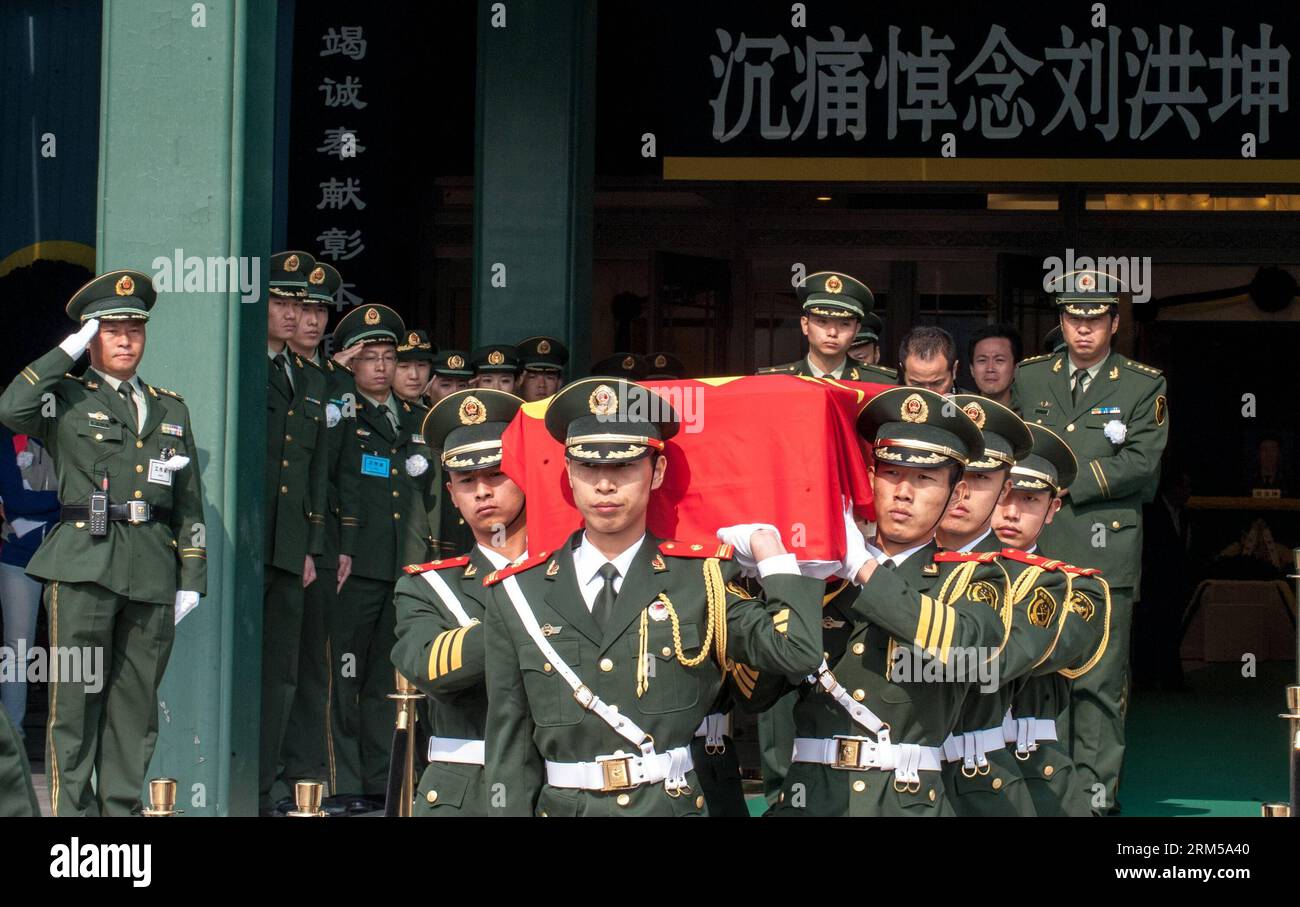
[[128, 396], [282, 363], [604, 604], [889, 564]]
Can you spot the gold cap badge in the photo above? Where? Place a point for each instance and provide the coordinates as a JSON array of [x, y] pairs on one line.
[[661, 361], [125, 285], [472, 411], [603, 401], [291, 263], [317, 276], [629, 363], [413, 339], [976, 413], [834, 284], [455, 362], [544, 347], [496, 357], [372, 316], [914, 409]]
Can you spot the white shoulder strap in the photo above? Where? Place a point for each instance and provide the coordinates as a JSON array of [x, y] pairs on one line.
[[857, 711], [447, 597], [621, 724]]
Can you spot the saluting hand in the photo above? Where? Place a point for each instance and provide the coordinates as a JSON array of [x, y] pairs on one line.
[[343, 357]]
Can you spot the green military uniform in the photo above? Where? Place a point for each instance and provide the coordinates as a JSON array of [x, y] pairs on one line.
[[440, 609], [383, 480], [116, 591], [903, 650], [981, 775], [837, 296], [1117, 427], [297, 475], [308, 740], [17, 796], [592, 709], [1041, 700]]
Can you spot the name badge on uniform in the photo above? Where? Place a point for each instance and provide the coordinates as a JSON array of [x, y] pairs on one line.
[[374, 466], [417, 439], [168, 428], [159, 474]]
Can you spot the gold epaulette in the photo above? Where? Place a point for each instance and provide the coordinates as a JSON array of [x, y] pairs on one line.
[[1142, 369], [695, 549], [163, 390], [1080, 571], [1039, 358], [440, 564]]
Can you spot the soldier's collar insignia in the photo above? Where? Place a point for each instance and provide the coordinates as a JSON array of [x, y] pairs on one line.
[[470, 571], [658, 564], [930, 570], [1056, 366], [552, 569], [1114, 373]]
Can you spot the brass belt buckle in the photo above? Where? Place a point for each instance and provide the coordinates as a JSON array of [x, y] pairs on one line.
[[137, 511], [584, 696], [616, 773], [848, 753]]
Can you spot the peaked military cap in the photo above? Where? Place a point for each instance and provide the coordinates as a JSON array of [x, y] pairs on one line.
[[289, 272], [835, 295], [323, 283], [116, 296], [1006, 437], [1087, 294], [543, 354], [452, 364], [870, 332], [911, 426], [622, 365], [466, 427], [416, 347], [610, 420], [369, 323], [663, 367], [1049, 464], [501, 357]]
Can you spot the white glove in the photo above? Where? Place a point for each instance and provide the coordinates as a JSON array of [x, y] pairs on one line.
[[75, 344], [738, 538], [855, 549], [185, 603], [416, 465], [177, 462]]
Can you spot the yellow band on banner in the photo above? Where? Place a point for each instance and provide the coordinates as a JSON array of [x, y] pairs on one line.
[[982, 170]]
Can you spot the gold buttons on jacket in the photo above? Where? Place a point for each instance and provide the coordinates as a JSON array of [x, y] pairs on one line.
[[99, 436], [139, 444], [432, 796], [1070, 427], [858, 648], [1115, 524], [859, 786], [139, 468], [606, 665], [397, 516], [284, 489], [1048, 771], [623, 800], [288, 438], [139, 493], [546, 667], [932, 795], [997, 784], [397, 494], [699, 802], [394, 473], [859, 695], [289, 413], [665, 651]]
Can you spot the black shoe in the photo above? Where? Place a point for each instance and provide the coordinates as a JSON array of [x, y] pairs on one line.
[[285, 806], [348, 805]]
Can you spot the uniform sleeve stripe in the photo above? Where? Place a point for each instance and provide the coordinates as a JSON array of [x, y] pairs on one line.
[[936, 628], [923, 623], [444, 652], [1101, 477], [457, 646], [950, 627], [437, 665], [29, 378]]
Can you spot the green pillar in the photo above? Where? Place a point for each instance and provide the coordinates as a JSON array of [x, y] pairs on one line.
[[185, 163], [534, 163]]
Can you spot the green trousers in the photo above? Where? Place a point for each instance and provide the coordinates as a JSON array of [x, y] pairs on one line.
[[776, 744], [104, 724], [282, 603], [719, 777], [305, 753], [364, 715], [17, 796], [1099, 703]]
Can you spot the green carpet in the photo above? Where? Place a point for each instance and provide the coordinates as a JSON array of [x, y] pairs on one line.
[[1217, 749]]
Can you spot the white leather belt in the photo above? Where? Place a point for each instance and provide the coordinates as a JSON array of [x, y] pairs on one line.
[[712, 729], [972, 748], [449, 749], [623, 772], [905, 760], [1027, 733]]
